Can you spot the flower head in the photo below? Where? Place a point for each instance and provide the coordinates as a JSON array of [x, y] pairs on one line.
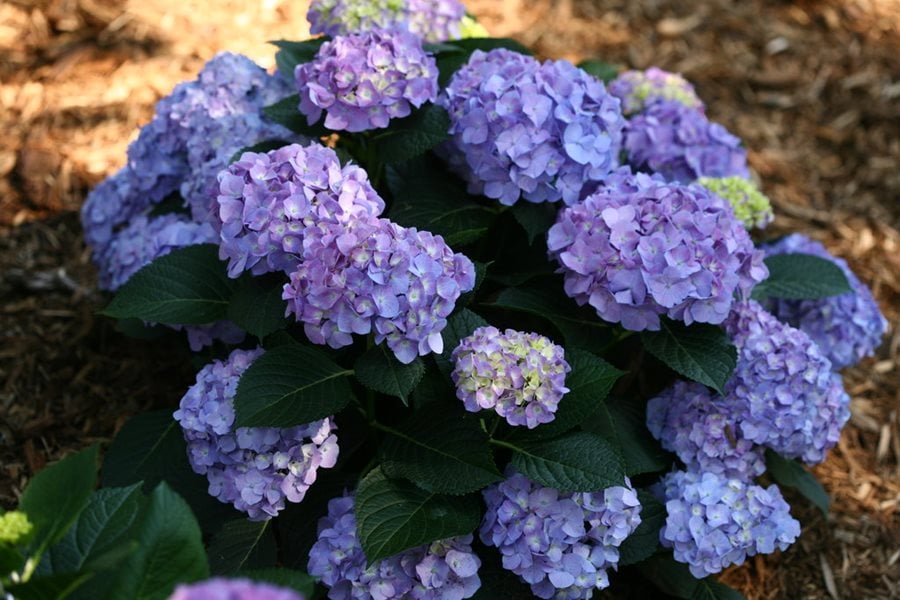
[[847, 327], [443, 570], [257, 469], [525, 129], [520, 375], [681, 144], [642, 248], [232, 589], [561, 544], [639, 89], [749, 204], [362, 81], [14, 527], [713, 522], [431, 20]]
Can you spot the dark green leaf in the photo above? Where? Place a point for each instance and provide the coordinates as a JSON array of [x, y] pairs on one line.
[[793, 474], [460, 324], [675, 579], [575, 462], [413, 136], [378, 369], [449, 61], [393, 515], [441, 449], [56, 496], [286, 578], [240, 545], [286, 112], [622, 424], [644, 542], [710, 589], [261, 148], [700, 352], [603, 71], [10, 560], [257, 306], [189, 286], [801, 277], [290, 54], [290, 385], [54, 587], [535, 219]]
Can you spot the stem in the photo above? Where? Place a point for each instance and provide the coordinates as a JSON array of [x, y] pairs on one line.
[[503, 444]]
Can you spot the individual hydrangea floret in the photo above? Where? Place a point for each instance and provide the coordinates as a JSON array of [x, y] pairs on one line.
[[848, 327], [523, 129], [562, 545], [363, 81], [681, 144], [431, 20], [376, 276], [233, 589], [783, 392], [257, 469], [520, 375], [641, 248], [443, 570], [267, 201], [749, 204], [713, 522], [701, 428], [639, 89], [14, 527]]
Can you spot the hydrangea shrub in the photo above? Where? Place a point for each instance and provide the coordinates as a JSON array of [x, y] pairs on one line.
[[473, 326]]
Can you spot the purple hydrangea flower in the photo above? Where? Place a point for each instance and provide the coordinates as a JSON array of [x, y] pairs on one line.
[[520, 375], [257, 469], [783, 391], [201, 336], [681, 144], [376, 276], [701, 428], [443, 570], [847, 327], [108, 206], [639, 89], [363, 81], [525, 129], [267, 201], [431, 20], [642, 248], [713, 522], [560, 544], [233, 589]]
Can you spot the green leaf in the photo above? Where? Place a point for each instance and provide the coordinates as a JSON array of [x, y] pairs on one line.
[[700, 352], [535, 219], [441, 449], [56, 496], [54, 587], [623, 425], [414, 135], [257, 306], [710, 589], [170, 550], [675, 579], [188, 286], [286, 112], [793, 474], [801, 277], [242, 544], [603, 71], [644, 541], [461, 324], [286, 578], [288, 386], [10, 560], [575, 462], [427, 197], [393, 515], [378, 369], [449, 61], [290, 54]]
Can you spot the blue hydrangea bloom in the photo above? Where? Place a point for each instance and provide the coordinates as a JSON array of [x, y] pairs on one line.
[[363, 81], [783, 390], [561, 544], [431, 20], [219, 588], [257, 469], [713, 522], [267, 201], [639, 89], [701, 427], [376, 276], [681, 144], [520, 375], [847, 327], [108, 206], [641, 248], [525, 129], [443, 570]]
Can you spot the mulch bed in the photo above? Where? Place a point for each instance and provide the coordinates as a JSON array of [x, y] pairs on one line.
[[812, 87]]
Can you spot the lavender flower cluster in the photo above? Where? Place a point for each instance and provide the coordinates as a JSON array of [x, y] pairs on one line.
[[256, 469], [640, 248], [713, 521], [430, 20], [363, 81], [639, 89], [220, 588], [267, 201], [525, 129], [561, 544], [848, 327], [520, 375], [443, 570]]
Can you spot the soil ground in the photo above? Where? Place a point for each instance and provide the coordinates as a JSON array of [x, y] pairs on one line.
[[812, 87]]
